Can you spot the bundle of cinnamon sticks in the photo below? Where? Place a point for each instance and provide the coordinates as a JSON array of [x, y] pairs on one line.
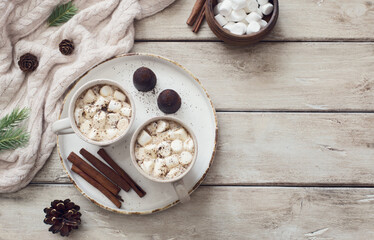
[[197, 15], [107, 180]]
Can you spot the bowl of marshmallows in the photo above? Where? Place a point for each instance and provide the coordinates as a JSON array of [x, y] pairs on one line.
[[241, 22]]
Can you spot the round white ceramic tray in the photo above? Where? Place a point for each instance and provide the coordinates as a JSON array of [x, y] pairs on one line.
[[197, 111]]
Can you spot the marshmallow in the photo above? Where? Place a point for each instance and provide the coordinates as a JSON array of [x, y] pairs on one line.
[[229, 25], [89, 111], [186, 158], [238, 4], [172, 161], [111, 133], [89, 97], [152, 128], [262, 2], [148, 166], [237, 15], [144, 138], [119, 96], [162, 126], [125, 104], [78, 115], [106, 91], [225, 8], [174, 172], [113, 118], [177, 146], [263, 23], [259, 12], [101, 102], [253, 27], [238, 28], [160, 168], [99, 120], [93, 134], [123, 124], [253, 16], [216, 8], [85, 127], [150, 151], [267, 8], [188, 145], [252, 6], [178, 134], [140, 154], [164, 149], [114, 106], [125, 111], [221, 19]]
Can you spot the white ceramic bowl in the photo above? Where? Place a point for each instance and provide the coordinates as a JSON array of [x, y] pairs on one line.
[[133, 144]]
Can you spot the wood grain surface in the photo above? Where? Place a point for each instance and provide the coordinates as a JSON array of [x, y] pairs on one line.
[[213, 213], [279, 76], [295, 157]]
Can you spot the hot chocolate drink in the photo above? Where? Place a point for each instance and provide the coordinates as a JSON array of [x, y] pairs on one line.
[[164, 149], [102, 112]]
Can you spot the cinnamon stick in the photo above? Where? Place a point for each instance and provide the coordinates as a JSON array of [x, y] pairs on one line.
[[93, 173], [195, 12], [97, 185], [121, 172], [107, 171], [199, 20]]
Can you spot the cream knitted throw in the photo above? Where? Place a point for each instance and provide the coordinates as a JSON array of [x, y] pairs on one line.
[[100, 30]]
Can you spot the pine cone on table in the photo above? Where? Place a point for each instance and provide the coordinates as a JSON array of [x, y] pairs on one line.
[[64, 216], [28, 62], [66, 47]]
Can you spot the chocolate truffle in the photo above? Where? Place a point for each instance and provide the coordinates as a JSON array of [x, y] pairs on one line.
[[144, 79], [169, 101]]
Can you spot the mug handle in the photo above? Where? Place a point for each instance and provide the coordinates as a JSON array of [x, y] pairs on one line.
[[181, 191], [62, 126]]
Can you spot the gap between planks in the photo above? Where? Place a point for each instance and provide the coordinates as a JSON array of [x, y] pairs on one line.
[[247, 185], [263, 41]]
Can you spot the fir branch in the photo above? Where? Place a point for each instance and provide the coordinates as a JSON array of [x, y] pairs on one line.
[[62, 13], [14, 118], [13, 138]]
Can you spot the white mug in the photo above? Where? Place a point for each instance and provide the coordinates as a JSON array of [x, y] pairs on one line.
[[177, 182], [68, 125]]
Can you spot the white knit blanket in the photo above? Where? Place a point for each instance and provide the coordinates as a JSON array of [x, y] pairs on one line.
[[100, 30]]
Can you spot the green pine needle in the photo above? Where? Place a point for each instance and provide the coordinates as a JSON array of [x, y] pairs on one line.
[[14, 118], [13, 138], [12, 135], [62, 13]]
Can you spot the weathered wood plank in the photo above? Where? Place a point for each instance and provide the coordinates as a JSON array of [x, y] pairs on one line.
[[279, 76], [213, 213], [299, 20], [283, 149]]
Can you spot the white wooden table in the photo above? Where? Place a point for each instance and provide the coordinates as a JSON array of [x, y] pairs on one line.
[[295, 156]]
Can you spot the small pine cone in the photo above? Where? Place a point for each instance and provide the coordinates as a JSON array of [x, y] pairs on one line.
[[28, 62], [64, 216], [66, 47]]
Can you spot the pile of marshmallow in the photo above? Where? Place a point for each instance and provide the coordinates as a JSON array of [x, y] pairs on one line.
[[242, 16], [164, 149], [102, 113]]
